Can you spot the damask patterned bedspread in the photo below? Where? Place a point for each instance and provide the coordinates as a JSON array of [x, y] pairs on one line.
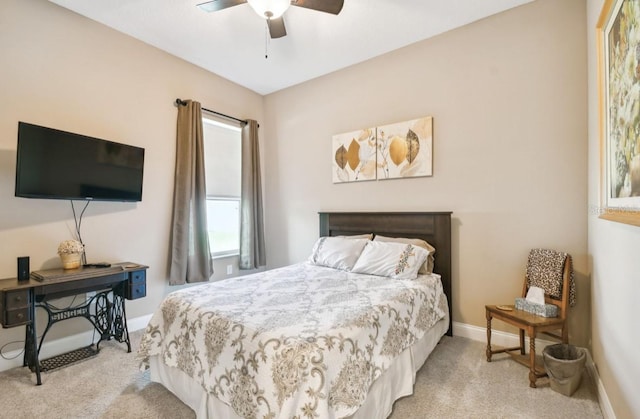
[[297, 342]]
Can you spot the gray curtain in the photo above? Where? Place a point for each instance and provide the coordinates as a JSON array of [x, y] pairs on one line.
[[190, 256], [252, 252]]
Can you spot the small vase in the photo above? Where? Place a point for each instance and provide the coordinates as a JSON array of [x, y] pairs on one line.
[[70, 260]]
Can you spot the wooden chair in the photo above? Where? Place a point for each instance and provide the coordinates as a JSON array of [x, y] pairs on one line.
[[533, 325]]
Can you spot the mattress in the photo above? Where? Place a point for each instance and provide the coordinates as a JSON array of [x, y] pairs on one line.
[[296, 341]]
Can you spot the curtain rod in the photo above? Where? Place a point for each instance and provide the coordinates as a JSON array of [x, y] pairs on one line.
[[242, 121]]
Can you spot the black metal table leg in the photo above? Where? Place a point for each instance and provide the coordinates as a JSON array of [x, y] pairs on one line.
[[120, 329], [31, 344]]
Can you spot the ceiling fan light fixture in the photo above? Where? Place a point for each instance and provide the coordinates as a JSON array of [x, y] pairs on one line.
[[270, 9]]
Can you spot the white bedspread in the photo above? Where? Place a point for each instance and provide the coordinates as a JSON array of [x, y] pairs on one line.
[[296, 342]]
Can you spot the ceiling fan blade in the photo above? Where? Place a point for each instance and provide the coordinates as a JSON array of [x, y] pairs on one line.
[[328, 6], [276, 28], [215, 5]]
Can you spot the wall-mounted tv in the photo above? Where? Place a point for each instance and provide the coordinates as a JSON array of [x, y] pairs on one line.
[[54, 164]]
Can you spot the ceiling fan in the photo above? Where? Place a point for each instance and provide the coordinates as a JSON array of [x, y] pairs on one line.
[[272, 10]]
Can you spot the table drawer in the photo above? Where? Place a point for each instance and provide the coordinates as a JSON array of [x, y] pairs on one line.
[[16, 299], [16, 317], [14, 308], [137, 277], [135, 291], [136, 286]]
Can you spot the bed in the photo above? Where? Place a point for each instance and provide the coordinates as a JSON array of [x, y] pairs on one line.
[[309, 340]]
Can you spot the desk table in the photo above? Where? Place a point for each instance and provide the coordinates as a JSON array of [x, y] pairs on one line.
[[19, 299]]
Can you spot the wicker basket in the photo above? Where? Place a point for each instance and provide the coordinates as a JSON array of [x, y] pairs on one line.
[[70, 260]]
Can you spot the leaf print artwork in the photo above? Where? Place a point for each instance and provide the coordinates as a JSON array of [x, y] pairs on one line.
[[354, 156], [404, 149]]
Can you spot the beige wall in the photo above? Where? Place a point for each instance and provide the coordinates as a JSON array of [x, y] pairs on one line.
[[615, 267], [508, 97], [62, 70]]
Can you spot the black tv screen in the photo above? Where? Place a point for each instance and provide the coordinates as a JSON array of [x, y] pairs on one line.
[[54, 164]]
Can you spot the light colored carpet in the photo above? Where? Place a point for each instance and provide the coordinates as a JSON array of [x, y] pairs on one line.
[[455, 382]]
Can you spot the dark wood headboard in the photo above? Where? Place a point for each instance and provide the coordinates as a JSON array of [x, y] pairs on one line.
[[433, 227]]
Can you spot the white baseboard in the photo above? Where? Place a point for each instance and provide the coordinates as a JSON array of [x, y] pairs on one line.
[[51, 348], [605, 404], [505, 339], [498, 338]]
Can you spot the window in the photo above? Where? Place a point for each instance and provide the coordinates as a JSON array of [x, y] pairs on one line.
[[223, 222], [222, 150]]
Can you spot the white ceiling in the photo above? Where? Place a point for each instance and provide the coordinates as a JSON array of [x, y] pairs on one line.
[[231, 43]]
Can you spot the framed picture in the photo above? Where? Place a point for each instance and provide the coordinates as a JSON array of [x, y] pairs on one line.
[[618, 32]]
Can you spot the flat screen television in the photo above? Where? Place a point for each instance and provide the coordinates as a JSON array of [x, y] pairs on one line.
[[54, 164]]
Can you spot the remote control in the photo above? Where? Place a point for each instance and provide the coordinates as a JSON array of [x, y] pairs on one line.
[[97, 265], [102, 265]]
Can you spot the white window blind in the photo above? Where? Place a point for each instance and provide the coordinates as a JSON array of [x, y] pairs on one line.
[[222, 149]]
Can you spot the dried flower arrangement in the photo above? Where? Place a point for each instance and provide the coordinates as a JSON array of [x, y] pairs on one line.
[[70, 246]]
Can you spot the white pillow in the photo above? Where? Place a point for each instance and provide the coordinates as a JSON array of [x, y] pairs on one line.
[[427, 267], [337, 252], [395, 260]]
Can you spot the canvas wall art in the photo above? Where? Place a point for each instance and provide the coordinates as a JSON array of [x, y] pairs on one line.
[[354, 156], [405, 149], [399, 150]]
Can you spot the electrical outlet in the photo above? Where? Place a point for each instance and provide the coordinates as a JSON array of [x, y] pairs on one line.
[[229, 269]]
